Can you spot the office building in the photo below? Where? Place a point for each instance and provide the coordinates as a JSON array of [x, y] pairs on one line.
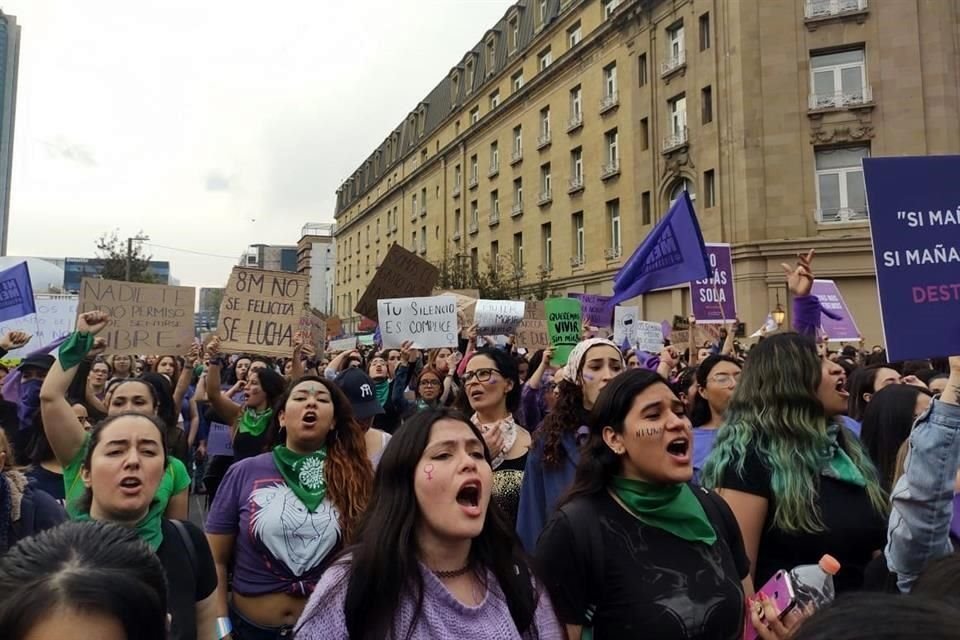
[[76, 269], [558, 141], [316, 258], [272, 257]]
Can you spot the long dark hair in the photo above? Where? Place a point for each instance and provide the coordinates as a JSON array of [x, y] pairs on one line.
[[598, 464], [384, 564], [568, 415], [887, 422], [93, 567], [882, 616], [507, 367], [862, 381], [700, 412]]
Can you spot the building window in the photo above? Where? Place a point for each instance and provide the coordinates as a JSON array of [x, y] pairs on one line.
[[545, 180], [475, 115], [494, 253], [516, 81], [841, 196], [578, 239], [682, 185], [706, 105], [544, 59], [546, 239], [609, 6], [491, 55], [514, 33], [413, 241], [518, 192], [644, 134], [642, 69], [494, 100], [676, 52], [456, 128], [542, 13], [610, 80], [838, 79], [474, 261], [544, 124], [456, 178], [494, 204], [456, 222], [469, 74], [474, 217], [576, 104], [704, 32], [423, 239], [613, 218], [574, 35], [518, 250], [709, 189], [474, 170], [612, 146], [423, 201], [678, 116], [517, 142], [645, 213], [494, 157], [576, 165], [413, 206]]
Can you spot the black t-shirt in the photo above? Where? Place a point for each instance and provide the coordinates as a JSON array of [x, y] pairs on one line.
[[186, 584], [48, 481], [653, 585], [853, 529]]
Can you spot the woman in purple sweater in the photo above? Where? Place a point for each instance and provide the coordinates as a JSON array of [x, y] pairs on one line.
[[434, 558]]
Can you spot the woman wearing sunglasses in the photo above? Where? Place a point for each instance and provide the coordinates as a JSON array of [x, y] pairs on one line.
[[492, 387]]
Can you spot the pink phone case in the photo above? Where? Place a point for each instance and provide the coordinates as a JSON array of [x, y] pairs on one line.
[[779, 588]]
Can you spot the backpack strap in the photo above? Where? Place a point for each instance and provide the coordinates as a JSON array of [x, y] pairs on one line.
[[187, 541], [585, 526]]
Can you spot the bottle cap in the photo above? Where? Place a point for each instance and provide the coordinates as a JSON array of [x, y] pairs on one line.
[[829, 564]]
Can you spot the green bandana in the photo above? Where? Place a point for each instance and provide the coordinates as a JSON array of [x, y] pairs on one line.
[[149, 528], [672, 508], [254, 423], [304, 474], [382, 391], [75, 349], [838, 464]]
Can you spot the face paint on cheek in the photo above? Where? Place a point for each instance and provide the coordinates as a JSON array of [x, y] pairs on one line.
[[588, 377], [428, 470], [493, 380], [649, 432]]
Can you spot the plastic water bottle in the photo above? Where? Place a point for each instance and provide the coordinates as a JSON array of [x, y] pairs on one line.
[[813, 583]]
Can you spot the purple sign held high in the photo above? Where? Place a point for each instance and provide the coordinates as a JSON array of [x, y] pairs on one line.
[[843, 330], [595, 308], [712, 300], [219, 440]]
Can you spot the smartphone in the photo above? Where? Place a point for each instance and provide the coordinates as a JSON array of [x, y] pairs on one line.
[[779, 589]]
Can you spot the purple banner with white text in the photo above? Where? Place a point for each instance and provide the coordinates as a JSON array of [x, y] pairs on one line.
[[712, 299], [843, 330], [595, 308]]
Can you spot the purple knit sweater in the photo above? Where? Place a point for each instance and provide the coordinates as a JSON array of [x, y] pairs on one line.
[[443, 616]]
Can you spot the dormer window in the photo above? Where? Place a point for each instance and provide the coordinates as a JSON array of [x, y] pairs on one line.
[[454, 87], [513, 34], [469, 72]]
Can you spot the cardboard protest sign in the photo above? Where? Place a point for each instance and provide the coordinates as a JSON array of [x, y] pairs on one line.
[[712, 299], [56, 317], [595, 309], [649, 336], [334, 326], [366, 340], [466, 299], [144, 318], [429, 322], [402, 274], [261, 311], [498, 317], [625, 325], [843, 330], [532, 331], [564, 327], [342, 344], [219, 442], [914, 224], [314, 328]]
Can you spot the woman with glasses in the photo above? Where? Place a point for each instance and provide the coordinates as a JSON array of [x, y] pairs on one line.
[[97, 379], [492, 387], [717, 378], [429, 385]]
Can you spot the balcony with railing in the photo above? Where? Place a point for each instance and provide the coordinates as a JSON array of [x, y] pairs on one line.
[[474, 181], [575, 122], [610, 169], [815, 10], [516, 156], [673, 63], [414, 215], [575, 184], [494, 169], [494, 218], [473, 228], [456, 190], [676, 140], [841, 215], [576, 261], [612, 253], [609, 102], [544, 140], [516, 209], [848, 99], [545, 197]]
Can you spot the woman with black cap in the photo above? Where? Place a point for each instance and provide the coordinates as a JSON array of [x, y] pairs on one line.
[[361, 392]]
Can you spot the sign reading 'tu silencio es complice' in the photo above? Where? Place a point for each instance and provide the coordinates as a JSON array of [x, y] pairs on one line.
[[261, 311], [144, 318]]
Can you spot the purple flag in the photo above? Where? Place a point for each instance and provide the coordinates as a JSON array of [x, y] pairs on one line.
[[837, 321], [596, 309], [672, 253], [16, 293], [712, 299]]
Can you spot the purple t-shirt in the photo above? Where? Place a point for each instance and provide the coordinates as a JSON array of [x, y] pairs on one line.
[[280, 546], [703, 440]]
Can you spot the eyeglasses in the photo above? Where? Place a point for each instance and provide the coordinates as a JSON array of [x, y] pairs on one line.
[[726, 379], [480, 375], [429, 383]]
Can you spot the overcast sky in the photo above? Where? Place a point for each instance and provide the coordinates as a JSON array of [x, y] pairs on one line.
[[211, 125]]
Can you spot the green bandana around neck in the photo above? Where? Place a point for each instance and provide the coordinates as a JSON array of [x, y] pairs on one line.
[[304, 474], [837, 464], [149, 528], [382, 391], [672, 508], [254, 423]]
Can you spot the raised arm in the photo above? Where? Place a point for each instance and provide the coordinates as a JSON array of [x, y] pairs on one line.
[[60, 423], [225, 407], [183, 382]]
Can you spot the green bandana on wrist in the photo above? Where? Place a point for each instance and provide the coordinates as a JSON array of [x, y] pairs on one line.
[[75, 349], [672, 508], [304, 474], [254, 423]]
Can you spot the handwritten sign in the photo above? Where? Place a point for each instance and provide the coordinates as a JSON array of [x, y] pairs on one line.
[[401, 275], [914, 225], [843, 330], [314, 328], [429, 322], [219, 442], [144, 318], [342, 344], [261, 310], [532, 331], [55, 317], [498, 317], [625, 321], [564, 326], [712, 299], [649, 336], [595, 309], [466, 299]]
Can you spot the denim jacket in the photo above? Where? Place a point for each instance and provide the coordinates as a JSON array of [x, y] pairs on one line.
[[922, 500]]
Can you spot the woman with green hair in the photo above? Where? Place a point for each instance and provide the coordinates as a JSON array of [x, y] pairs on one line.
[[798, 483]]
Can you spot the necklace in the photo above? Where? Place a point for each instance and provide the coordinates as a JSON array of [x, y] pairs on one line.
[[456, 573]]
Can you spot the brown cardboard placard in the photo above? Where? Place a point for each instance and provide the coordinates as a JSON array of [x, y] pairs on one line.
[[334, 326], [261, 310], [145, 319], [402, 274], [466, 302], [532, 332]]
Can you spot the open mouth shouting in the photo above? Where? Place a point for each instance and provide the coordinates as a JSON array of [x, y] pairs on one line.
[[309, 419], [841, 383], [130, 485], [679, 449], [468, 497]]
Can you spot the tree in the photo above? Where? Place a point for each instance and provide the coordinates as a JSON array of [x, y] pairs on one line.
[[497, 279], [113, 251]]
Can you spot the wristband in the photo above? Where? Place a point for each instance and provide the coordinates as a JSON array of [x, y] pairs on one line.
[[224, 627], [219, 361]]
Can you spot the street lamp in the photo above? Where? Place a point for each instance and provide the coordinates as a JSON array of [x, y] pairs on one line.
[[778, 314]]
